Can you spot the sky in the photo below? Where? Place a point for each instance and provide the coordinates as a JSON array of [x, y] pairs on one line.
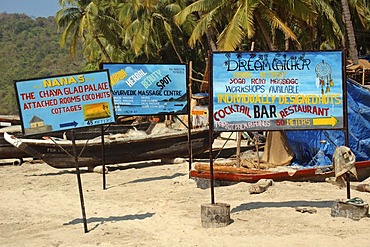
[[32, 8]]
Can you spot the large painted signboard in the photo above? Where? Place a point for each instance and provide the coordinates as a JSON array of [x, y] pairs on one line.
[[148, 89], [277, 90], [65, 102]]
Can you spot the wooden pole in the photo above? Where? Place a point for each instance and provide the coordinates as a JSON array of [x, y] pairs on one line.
[[190, 125], [345, 122], [238, 141], [256, 140], [211, 128], [348, 185], [363, 75]]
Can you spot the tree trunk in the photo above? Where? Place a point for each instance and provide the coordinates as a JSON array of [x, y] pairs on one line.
[[211, 42], [350, 33]]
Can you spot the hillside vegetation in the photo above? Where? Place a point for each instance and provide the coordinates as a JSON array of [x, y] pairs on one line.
[[29, 48]]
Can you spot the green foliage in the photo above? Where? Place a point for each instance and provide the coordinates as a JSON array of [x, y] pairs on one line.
[[29, 48]]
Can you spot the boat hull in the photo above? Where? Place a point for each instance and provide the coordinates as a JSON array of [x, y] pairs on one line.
[[311, 174], [59, 154], [8, 151]]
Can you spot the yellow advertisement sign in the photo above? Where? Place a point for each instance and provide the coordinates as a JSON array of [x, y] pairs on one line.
[[96, 111]]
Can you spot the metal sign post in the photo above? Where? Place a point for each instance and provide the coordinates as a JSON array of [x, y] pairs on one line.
[[211, 130], [103, 156], [79, 181]]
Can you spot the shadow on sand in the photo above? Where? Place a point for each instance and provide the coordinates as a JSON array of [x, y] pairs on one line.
[[111, 168], [102, 220], [141, 180], [291, 204]]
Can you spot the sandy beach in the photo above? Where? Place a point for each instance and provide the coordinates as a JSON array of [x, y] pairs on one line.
[[156, 204]]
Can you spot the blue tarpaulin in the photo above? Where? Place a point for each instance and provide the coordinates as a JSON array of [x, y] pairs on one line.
[[316, 147]]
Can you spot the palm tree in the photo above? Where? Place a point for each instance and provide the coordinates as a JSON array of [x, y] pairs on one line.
[[148, 28], [335, 26], [87, 20], [233, 21], [328, 31], [350, 34]]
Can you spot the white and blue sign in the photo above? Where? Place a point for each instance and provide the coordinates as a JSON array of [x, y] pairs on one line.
[[148, 89], [65, 102], [277, 90]]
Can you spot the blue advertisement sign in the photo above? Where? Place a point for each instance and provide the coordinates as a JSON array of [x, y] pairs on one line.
[[64, 102], [277, 90], [148, 89]]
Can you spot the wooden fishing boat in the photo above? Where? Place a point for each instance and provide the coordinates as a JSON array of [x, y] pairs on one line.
[[95, 131], [315, 174], [8, 120], [120, 148], [8, 151]]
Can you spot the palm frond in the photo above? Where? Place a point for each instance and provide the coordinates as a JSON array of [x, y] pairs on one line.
[[277, 23], [232, 35], [201, 6], [204, 23]]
